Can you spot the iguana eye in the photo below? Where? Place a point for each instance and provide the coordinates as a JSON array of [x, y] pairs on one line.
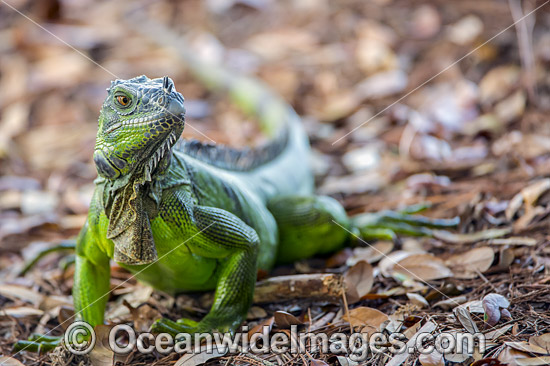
[[123, 100]]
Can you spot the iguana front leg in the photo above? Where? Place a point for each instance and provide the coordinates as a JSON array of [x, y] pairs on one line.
[[223, 236]]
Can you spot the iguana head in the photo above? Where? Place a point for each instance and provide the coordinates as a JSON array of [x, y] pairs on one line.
[[139, 122]]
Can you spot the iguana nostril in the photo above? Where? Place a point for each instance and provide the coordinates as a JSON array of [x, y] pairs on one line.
[[176, 107]]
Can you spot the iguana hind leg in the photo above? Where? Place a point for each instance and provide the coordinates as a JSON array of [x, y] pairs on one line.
[[313, 225], [308, 226]]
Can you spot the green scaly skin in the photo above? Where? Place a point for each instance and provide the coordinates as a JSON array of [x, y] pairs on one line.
[[183, 221]]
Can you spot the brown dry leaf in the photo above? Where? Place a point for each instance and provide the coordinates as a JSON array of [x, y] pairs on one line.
[[373, 55], [261, 327], [513, 206], [363, 158], [506, 257], [264, 327], [382, 85], [339, 106], [21, 293], [60, 145], [475, 306], [101, 354], [425, 22], [526, 145], [14, 121], [528, 195], [511, 108], [466, 30], [64, 316], [281, 43], [456, 357], [465, 319], [524, 221], [194, 359], [366, 317], [143, 316], [532, 193], [424, 267], [339, 258], [514, 240], [450, 303], [486, 122], [53, 301], [354, 183], [21, 312], [510, 356], [58, 70], [433, 358], [527, 347], [256, 312], [542, 341], [418, 300], [138, 295], [494, 334], [469, 264], [400, 357], [315, 362], [389, 261], [358, 281], [37, 202], [498, 83], [346, 361], [10, 361], [284, 320], [412, 329], [371, 253], [534, 361]]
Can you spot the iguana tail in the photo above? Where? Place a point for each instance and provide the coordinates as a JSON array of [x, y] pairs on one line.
[[276, 117]]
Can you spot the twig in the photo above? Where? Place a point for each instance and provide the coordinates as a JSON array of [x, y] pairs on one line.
[[347, 308], [524, 31], [325, 286]]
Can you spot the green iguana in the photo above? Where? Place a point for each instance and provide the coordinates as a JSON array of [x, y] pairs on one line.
[[187, 216]]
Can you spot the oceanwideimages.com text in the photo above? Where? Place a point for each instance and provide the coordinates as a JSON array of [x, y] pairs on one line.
[[80, 339]]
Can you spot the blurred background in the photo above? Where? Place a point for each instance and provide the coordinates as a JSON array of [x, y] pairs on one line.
[[448, 100], [478, 126], [405, 102]]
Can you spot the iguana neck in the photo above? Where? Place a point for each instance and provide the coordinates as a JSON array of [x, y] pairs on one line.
[[131, 202]]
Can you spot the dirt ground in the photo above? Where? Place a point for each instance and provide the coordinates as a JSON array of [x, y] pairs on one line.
[[406, 102]]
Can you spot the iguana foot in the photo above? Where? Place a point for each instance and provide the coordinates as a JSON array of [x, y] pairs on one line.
[[387, 224], [165, 325], [38, 343], [65, 245]]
